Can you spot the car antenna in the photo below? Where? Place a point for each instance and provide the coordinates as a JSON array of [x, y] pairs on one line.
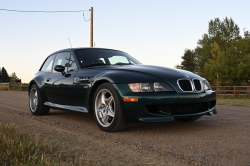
[[70, 43]]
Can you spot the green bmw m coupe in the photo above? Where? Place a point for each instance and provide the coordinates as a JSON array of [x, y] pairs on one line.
[[116, 89]]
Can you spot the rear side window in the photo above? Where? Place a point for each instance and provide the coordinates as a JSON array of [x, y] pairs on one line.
[[63, 60], [47, 66]]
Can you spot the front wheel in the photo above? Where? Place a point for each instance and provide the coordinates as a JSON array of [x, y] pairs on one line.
[[107, 109]]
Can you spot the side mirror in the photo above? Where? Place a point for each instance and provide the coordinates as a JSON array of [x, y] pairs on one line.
[[59, 68]]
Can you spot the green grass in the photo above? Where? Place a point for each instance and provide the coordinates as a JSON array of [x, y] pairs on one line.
[[230, 100], [232, 97], [14, 88], [18, 148], [3, 88]]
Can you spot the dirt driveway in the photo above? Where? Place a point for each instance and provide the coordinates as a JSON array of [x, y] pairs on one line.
[[223, 139]]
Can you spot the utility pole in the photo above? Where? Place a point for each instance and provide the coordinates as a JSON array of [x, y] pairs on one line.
[[91, 28]]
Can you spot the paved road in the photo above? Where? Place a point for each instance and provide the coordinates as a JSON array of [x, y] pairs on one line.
[[223, 139]]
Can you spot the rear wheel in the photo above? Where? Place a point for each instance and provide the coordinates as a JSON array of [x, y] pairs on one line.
[[107, 109], [35, 102]]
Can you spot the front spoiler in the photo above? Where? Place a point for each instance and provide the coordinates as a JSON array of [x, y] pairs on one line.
[[210, 112]]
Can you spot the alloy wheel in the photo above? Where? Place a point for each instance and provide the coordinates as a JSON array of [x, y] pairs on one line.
[[33, 99], [105, 107]]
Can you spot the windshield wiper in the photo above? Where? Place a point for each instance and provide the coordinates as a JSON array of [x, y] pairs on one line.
[[95, 64], [123, 64]]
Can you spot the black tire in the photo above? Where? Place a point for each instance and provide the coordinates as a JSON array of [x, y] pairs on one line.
[[189, 119], [40, 108], [118, 122]]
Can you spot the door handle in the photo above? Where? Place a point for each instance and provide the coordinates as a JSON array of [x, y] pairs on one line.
[[48, 79]]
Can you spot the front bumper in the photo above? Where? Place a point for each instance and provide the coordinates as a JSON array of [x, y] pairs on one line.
[[165, 106]]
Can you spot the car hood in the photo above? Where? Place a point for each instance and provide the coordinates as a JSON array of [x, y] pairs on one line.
[[160, 72], [137, 73]]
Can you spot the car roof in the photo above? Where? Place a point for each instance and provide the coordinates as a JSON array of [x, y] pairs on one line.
[[73, 49]]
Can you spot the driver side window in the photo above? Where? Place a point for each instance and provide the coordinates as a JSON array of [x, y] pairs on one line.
[[72, 64], [62, 58]]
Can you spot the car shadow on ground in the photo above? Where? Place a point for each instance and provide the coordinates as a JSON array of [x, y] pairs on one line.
[[203, 123], [174, 126], [62, 112]]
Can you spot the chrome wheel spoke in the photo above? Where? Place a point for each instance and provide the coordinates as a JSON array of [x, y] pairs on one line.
[[105, 118], [101, 109], [109, 113], [110, 107], [100, 115], [108, 101], [103, 98]]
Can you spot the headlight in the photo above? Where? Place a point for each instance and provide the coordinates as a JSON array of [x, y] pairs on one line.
[[150, 87], [207, 85]]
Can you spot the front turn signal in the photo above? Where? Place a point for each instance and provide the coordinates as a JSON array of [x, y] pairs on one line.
[[131, 99]]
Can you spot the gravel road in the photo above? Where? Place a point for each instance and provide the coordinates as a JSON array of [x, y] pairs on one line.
[[222, 139]]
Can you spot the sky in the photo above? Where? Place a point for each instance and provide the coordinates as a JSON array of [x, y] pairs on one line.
[[153, 32]]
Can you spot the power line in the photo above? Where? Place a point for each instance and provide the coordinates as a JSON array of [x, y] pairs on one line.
[[84, 17], [25, 11], [10, 10]]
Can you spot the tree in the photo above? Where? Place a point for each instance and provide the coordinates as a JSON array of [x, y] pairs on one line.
[[0, 75], [13, 77], [223, 52], [242, 49], [220, 34], [5, 76], [232, 64], [189, 61]]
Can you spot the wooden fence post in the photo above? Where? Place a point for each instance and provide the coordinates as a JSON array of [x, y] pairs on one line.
[[217, 84], [248, 91], [234, 91]]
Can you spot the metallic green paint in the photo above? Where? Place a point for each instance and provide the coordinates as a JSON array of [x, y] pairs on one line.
[[65, 90]]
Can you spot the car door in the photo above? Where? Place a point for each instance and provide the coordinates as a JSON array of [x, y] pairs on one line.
[[59, 87]]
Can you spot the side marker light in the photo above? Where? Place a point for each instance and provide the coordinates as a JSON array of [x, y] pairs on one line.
[[131, 99]]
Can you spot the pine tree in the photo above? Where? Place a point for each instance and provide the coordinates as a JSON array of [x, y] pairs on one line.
[[189, 61], [13, 77], [0, 75], [5, 76]]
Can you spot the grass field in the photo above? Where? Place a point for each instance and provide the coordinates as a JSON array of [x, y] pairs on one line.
[[18, 148], [15, 87], [3, 88], [230, 100]]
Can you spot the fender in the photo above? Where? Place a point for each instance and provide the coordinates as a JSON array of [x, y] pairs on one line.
[[39, 81]]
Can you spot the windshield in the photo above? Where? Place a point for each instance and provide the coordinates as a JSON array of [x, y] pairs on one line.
[[97, 57]]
